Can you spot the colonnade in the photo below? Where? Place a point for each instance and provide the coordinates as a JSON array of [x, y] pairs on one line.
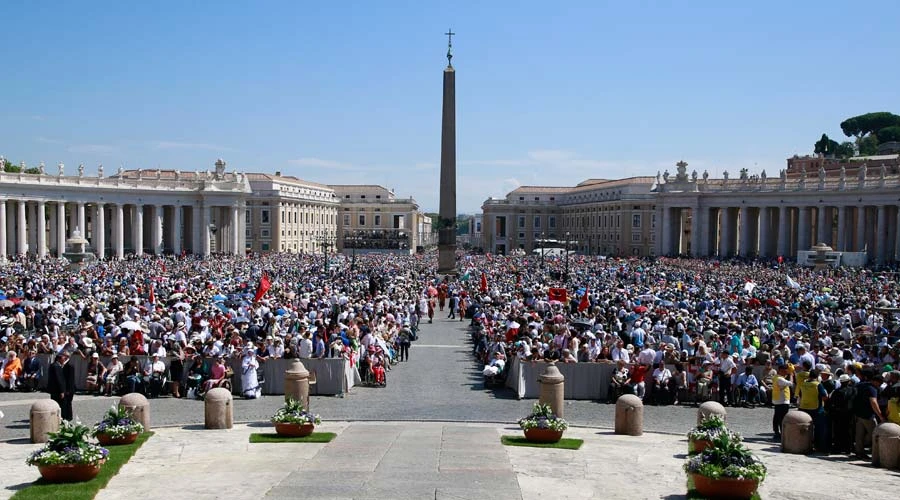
[[41, 227], [769, 231]]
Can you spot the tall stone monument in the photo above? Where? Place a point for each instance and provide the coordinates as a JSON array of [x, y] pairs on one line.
[[447, 214]]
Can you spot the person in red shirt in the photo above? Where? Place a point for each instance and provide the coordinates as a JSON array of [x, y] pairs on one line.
[[638, 374]]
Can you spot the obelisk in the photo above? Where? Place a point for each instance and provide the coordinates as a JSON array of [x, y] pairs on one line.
[[447, 213]]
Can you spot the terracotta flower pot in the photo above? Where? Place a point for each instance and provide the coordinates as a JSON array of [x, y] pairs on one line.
[[294, 430], [698, 445], [724, 487], [107, 440], [69, 473], [536, 435]]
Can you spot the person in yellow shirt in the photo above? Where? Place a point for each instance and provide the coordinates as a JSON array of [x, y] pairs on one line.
[[781, 395], [811, 400], [11, 371]]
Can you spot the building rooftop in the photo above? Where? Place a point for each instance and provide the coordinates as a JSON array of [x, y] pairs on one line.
[[290, 179]]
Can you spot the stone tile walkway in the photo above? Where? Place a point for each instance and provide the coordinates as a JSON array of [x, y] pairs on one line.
[[390, 460]]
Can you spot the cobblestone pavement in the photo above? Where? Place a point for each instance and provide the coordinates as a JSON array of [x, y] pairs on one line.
[[440, 382]]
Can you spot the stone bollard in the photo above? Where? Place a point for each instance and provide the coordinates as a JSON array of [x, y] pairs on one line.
[[709, 409], [797, 433], [552, 389], [886, 446], [218, 409], [139, 407], [44, 419], [296, 383], [629, 415]]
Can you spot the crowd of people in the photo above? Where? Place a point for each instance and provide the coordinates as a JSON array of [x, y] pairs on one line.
[[673, 330]]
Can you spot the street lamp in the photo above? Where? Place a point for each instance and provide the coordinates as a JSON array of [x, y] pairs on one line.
[[566, 275], [325, 242], [354, 239]]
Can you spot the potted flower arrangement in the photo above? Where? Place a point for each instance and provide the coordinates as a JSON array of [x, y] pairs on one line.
[[726, 468], [292, 419], [117, 427], [542, 426], [701, 436], [68, 456]]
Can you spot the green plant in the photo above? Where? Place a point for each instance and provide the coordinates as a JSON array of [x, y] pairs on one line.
[[542, 417], [727, 457], [118, 423], [711, 427], [69, 446], [293, 412]]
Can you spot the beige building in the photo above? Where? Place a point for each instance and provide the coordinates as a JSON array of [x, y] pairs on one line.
[[597, 217], [287, 214], [372, 219]]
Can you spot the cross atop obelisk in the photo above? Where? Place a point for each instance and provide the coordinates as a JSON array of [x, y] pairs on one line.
[[447, 213], [449, 34]]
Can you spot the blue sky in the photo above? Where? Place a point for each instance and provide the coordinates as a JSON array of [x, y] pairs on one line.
[[548, 93]]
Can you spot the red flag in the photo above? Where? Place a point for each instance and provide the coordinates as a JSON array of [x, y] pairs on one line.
[[152, 295], [557, 294], [264, 285], [584, 303], [484, 288]]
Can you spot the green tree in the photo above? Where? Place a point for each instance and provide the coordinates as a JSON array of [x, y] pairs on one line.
[[889, 134], [868, 145], [9, 166], [845, 150], [826, 146], [869, 123]]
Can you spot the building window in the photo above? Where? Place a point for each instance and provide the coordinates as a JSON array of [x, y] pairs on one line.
[[377, 196], [636, 220], [521, 222], [264, 233], [635, 237], [282, 216], [521, 198], [347, 196], [477, 227], [537, 198], [346, 219], [537, 222], [265, 247], [521, 236], [265, 216], [247, 217], [363, 197], [362, 219], [377, 220], [551, 221], [653, 221]]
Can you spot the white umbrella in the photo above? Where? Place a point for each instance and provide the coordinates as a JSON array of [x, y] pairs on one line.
[[130, 325], [182, 304], [176, 296]]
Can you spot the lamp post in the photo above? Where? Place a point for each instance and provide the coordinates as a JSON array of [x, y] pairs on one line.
[[353, 259], [325, 242], [566, 274]]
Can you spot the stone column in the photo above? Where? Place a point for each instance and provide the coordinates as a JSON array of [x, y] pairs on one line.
[[2, 229], [724, 232], [119, 230], [21, 234], [204, 230], [236, 231], [745, 246], [81, 220], [138, 222], [156, 230], [177, 213], [765, 233], [60, 228], [698, 229], [822, 226], [881, 237], [73, 221], [41, 229], [842, 229], [31, 216], [860, 229], [666, 247], [804, 230], [98, 231]]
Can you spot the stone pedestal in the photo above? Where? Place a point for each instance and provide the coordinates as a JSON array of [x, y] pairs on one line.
[[886, 446], [797, 433], [139, 407], [709, 409], [552, 389], [218, 409], [44, 418], [296, 383], [629, 415]]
